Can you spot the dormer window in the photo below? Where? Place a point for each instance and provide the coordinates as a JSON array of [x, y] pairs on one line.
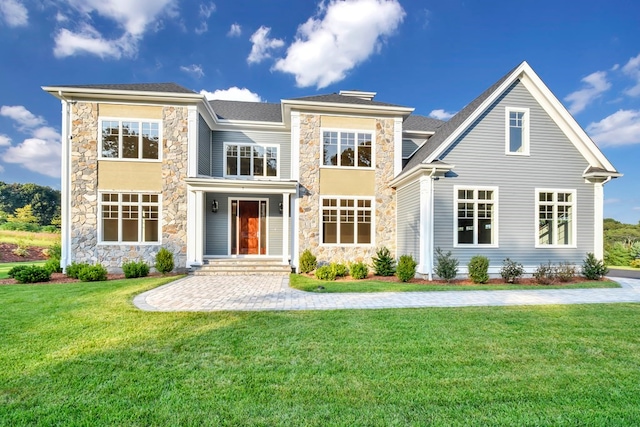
[[517, 131]]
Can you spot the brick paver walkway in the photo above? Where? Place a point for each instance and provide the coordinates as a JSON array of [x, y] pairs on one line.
[[253, 293]]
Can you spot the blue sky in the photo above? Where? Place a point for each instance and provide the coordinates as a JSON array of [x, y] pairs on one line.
[[434, 56]]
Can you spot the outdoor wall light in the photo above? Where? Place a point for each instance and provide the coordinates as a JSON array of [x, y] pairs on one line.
[[214, 206], [280, 207]]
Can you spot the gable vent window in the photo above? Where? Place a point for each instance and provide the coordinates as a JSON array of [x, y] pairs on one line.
[[517, 131]]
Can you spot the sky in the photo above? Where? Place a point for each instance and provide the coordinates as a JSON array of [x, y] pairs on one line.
[[435, 56]]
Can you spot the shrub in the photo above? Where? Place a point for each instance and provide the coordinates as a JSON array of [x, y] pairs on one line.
[[406, 268], [619, 253], [478, 269], [545, 274], [339, 269], [592, 268], [93, 273], [446, 265], [308, 262], [133, 269], [74, 268], [53, 265], [164, 261], [565, 272], [54, 252], [383, 263], [511, 271], [49, 229], [359, 270], [32, 274], [326, 272], [15, 270], [635, 263], [22, 249]]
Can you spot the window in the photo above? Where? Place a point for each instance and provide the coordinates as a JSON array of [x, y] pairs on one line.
[[476, 216], [517, 131], [129, 218], [556, 210], [251, 160], [347, 149], [346, 221], [130, 139]]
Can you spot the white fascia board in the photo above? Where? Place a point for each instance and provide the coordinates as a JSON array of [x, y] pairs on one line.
[[418, 133], [74, 93], [419, 170], [242, 186], [339, 107]]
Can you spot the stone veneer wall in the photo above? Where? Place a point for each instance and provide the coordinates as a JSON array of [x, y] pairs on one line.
[[84, 191], [309, 204]]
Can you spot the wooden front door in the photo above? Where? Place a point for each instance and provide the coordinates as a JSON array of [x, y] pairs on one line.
[[248, 227]]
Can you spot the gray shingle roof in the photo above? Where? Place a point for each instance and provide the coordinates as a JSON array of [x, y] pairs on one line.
[[242, 110], [342, 99], [142, 87], [444, 131], [421, 124]]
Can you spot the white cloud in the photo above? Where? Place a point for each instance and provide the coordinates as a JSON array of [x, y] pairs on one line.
[[595, 85], [620, 128], [232, 94], [262, 45], [205, 13], [440, 114], [632, 69], [60, 17], [235, 30], [343, 35], [24, 118], [194, 69], [133, 17], [4, 140], [13, 13]]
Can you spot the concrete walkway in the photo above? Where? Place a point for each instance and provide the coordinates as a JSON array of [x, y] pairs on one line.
[[256, 293]]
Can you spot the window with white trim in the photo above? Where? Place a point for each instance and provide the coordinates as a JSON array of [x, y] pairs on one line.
[[130, 139], [129, 218], [251, 160], [517, 131], [475, 218], [347, 149], [347, 221], [556, 217]]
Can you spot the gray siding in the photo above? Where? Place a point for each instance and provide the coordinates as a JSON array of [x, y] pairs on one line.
[[409, 146], [204, 147], [408, 222], [480, 160], [281, 139], [217, 224]]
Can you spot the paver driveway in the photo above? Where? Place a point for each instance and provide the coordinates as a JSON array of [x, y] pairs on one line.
[[253, 293]]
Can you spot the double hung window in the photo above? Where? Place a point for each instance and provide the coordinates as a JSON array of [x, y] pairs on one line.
[[556, 217], [517, 131], [129, 218], [476, 216]]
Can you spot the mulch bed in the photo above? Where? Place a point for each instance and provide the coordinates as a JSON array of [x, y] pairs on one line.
[[7, 255]]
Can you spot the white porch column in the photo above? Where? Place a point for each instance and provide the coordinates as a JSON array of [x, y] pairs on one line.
[[425, 265], [65, 193], [598, 218], [285, 228], [194, 228], [199, 228]]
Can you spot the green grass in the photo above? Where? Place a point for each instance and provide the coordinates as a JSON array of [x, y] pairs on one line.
[[6, 266], [81, 354], [309, 284], [31, 239]]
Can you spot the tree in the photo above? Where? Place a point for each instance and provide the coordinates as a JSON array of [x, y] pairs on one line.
[[23, 215]]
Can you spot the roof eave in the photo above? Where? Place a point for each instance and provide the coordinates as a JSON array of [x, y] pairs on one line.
[[64, 93], [422, 169], [333, 106]]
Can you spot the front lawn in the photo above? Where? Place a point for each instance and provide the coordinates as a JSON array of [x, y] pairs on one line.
[[81, 354], [310, 284], [6, 266]]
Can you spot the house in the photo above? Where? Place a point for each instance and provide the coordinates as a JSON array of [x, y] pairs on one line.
[[148, 165]]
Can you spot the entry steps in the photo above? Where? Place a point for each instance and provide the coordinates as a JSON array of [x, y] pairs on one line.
[[241, 267]]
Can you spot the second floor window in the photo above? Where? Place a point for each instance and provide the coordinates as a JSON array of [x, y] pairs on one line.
[[347, 149], [251, 160], [130, 139]]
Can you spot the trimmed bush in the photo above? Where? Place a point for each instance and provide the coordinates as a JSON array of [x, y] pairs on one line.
[[308, 262], [406, 268], [53, 265], [479, 269], [15, 270], [565, 272], [339, 269], [93, 273], [164, 261], [74, 268], [32, 274], [592, 268], [545, 274], [383, 263], [446, 265], [359, 270], [133, 269], [511, 271], [326, 272]]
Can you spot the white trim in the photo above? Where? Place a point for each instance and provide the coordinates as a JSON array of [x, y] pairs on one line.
[[192, 219], [139, 204], [250, 177], [426, 224], [192, 141], [66, 140], [397, 146], [140, 121], [356, 132], [372, 209], [525, 131], [495, 216], [285, 228], [222, 185], [295, 145], [574, 217], [598, 220]]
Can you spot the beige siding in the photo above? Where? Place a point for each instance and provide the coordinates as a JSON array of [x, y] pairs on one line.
[[347, 122], [341, 182], [133, 111], [129, 176]]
